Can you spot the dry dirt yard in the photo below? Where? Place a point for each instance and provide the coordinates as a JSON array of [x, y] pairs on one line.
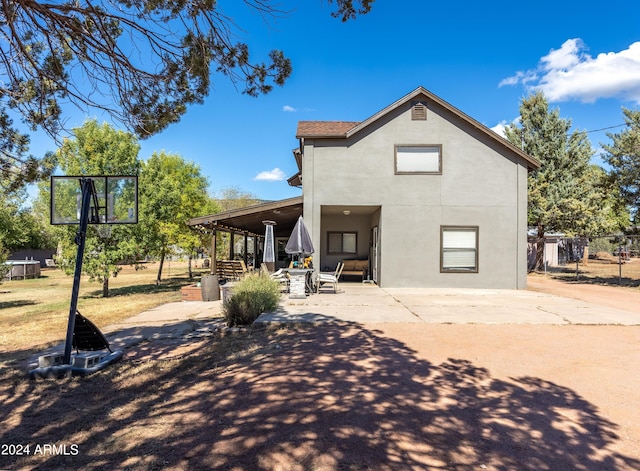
[[349, 397]]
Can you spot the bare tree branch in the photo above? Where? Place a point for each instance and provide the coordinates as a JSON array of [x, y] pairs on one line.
[[143, 62]]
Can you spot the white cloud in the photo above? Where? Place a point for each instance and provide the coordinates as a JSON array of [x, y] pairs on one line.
[[291, 109], [570, 73], [567, 57], [274, 175], [500, 127]]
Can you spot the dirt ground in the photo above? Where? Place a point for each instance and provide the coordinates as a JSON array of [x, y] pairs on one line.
[[624, 298], [558, 386], [355, 397]]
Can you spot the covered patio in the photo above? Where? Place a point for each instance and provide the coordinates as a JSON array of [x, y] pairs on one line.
[[248, 223]]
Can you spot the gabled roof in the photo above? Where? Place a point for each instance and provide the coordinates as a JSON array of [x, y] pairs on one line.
[[346, 129]]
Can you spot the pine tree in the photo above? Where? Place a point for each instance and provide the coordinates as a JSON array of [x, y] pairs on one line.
[[564, 194], [623, 155]]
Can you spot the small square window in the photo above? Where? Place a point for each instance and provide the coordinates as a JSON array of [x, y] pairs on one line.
[[342, 242], [418, 159], [458, 249]]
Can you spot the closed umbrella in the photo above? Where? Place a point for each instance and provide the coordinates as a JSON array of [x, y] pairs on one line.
[[299, 242]]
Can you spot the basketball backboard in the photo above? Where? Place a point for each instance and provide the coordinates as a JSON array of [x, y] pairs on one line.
[[116, 199]]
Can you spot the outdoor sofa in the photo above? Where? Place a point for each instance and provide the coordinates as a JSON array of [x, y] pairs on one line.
[[356, 268]]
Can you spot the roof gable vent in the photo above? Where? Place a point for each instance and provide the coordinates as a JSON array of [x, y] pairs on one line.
[[419, 112]]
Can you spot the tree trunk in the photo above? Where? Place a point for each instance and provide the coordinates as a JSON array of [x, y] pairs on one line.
[[160, 267], [190, 272], [539, 265], [105, 288]]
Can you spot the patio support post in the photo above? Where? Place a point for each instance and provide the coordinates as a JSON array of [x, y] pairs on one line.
[[210, 288], [232, 241], [213, 251], [256, 250], [245, 235]]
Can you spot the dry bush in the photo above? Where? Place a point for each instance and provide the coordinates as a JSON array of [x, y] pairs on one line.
[[251, 297]]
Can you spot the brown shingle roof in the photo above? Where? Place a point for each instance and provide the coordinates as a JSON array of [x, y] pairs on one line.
[[324, 128]]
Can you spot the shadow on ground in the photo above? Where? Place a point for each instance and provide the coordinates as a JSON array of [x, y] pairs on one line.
[[332, 396], [16, 303], [605, 281], [169, 285], [569, 275]]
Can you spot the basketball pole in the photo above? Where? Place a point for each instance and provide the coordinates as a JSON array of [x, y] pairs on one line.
[[88, 189]]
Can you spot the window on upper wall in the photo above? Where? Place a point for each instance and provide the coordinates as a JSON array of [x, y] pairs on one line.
[[459, 249], [425, 159], [342, 242]]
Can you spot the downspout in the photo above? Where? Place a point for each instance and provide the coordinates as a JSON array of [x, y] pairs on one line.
[[518, 236]]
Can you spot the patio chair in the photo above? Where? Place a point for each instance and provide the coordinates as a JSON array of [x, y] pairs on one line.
[[330, 278], [280, 276]]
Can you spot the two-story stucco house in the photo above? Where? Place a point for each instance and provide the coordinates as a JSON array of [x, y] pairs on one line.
[[431, 197], [426, 194]]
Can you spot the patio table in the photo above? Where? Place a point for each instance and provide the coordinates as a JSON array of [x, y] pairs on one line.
[[300, 282]]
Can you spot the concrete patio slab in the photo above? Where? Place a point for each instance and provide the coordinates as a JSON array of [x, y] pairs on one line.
[[370, 304], [177, 311], [480, 315], [325, 313]]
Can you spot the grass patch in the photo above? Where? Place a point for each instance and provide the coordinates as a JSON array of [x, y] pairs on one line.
[[35, 311]]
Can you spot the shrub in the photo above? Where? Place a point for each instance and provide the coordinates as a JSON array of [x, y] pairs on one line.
[[250, 297]]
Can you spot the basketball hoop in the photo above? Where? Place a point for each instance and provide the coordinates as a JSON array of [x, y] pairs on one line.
[[84, 200]]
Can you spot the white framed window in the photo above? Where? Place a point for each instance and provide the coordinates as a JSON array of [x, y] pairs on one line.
[[342, 242], [412, 159], [459, 249]]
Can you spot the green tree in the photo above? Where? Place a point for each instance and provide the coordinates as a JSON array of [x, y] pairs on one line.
[[172, 191], [230, 198], [564, 194], [100, 150], [609, 213], [234, 198], [4, 255], [19, 227], [9, 228], [623, 155]]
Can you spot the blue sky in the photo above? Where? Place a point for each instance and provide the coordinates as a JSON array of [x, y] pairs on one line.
[[482, 57]]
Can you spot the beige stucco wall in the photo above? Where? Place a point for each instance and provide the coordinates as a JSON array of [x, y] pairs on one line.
[[482, 184]]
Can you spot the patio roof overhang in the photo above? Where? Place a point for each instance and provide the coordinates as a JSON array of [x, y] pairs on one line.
[[248, 220]]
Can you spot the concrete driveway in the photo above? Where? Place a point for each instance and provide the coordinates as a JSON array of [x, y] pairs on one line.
[[370, 304]]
